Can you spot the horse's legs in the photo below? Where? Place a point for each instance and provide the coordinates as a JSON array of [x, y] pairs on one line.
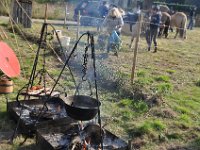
[[166, 29], [160, 32], [185, 36], [132, 39], [177, 31]]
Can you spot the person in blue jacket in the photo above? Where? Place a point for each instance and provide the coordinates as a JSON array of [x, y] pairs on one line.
[[155, 19]]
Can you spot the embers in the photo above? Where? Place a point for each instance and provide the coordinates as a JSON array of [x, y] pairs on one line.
[[71, 138], [34, 117], [52, 111]]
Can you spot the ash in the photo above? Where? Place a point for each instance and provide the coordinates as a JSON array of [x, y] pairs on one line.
[[30, 113], [72, 137]]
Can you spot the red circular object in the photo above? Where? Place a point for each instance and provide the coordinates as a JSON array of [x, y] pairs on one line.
[[9, 63]]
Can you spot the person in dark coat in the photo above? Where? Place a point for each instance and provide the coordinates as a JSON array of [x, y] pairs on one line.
[[152, 35], [192, 18], [103, 9], [81, 7]]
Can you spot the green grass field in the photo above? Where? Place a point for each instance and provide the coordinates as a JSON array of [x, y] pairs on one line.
[[164, 111]]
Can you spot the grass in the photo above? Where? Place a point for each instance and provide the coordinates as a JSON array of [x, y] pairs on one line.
[[198, 83], [162, 78], [172, 73], [147, 128]]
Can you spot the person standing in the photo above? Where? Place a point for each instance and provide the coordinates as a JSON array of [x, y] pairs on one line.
[[81, 7], [103, 9], [113, 23], [192, 18], [155, 19]]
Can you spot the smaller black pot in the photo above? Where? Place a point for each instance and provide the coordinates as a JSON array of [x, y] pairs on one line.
[[81, 107], [93, 133]]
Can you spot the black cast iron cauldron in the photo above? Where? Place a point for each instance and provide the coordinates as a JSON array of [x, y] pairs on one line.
[[80, 107]]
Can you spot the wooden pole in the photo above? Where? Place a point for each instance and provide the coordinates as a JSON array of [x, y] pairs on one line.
[[136, 49], [65, 21], [130, 147], [45, 15], [4, 33], [78, 25], [1, 36]]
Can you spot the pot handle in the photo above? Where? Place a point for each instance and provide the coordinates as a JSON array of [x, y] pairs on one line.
[[77, 92]]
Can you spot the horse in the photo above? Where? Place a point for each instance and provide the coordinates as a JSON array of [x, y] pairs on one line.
[[135, 29], [131, 25], [129, 20], [165, 23], [179, 20]]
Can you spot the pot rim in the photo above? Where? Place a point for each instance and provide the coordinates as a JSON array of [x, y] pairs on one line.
[[83, 107]]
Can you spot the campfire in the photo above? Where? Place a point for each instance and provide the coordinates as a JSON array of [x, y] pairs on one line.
[[71, 138], [54, 119]]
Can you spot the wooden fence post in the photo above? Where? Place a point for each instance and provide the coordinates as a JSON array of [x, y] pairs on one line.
[[45, 13], [65, 20], [136, 49], [78, 25]]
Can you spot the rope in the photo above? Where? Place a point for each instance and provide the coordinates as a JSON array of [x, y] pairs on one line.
[[16, 41]]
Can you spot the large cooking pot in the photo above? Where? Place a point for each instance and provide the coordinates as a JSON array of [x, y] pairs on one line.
[[80, 107]]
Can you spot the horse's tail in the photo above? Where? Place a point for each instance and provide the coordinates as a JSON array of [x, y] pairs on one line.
[[183, 27]]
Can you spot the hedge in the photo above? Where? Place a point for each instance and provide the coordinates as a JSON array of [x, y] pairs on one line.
[[177, 7]]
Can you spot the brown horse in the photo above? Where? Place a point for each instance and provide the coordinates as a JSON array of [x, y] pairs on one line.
[[135, 28], [165, 23], [179, 20]]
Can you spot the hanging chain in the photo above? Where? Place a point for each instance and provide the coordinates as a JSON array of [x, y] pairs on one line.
[[85, 60]]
